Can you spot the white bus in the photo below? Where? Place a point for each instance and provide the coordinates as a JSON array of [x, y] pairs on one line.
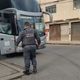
[[13, 15], [12, 23]]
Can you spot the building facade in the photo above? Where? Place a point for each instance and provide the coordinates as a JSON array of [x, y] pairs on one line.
[[66, 19]]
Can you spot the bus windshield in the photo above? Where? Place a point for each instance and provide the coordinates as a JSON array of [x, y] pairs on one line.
[[37, 23]]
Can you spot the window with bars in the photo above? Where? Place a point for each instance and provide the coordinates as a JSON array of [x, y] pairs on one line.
[[51, 9], [76, 4]]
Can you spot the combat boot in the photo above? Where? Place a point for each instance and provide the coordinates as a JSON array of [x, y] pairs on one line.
[[27, 72], [34, 69]]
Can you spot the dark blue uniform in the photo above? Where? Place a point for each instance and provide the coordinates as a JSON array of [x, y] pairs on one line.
[[28, 37]]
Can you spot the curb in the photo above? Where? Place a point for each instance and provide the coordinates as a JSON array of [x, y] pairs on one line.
[[64, 43]]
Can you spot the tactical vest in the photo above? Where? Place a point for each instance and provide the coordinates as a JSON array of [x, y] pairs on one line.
[[28, 37]]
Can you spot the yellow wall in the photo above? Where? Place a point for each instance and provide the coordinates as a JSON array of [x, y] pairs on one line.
[[64, 10]]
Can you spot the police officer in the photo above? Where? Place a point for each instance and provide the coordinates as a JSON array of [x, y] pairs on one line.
[[29, 37]]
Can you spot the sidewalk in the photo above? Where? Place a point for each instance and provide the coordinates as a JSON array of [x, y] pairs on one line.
[[64, 42], [9, 72]]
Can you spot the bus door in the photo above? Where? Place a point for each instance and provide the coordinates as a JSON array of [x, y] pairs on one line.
[[7, 32]]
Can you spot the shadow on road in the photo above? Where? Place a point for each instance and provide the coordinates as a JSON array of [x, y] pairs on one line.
[[13, 55]]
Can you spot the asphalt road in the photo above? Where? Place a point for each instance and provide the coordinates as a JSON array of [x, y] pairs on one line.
[[55, 62]]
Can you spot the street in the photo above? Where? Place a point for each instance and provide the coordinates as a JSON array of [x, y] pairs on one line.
[[55, 62]]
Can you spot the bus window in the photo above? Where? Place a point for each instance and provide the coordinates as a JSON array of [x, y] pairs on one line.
[[7, 24], [22, 21], [5, 28]]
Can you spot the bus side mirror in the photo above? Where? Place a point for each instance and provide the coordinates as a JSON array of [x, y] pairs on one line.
[[50, 16]]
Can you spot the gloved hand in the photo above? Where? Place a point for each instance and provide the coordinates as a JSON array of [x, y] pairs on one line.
[[37, 45]]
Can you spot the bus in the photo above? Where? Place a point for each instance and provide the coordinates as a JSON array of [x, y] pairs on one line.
[[13, 15]]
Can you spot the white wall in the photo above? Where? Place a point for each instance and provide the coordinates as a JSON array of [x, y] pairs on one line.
[[64, 32]]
